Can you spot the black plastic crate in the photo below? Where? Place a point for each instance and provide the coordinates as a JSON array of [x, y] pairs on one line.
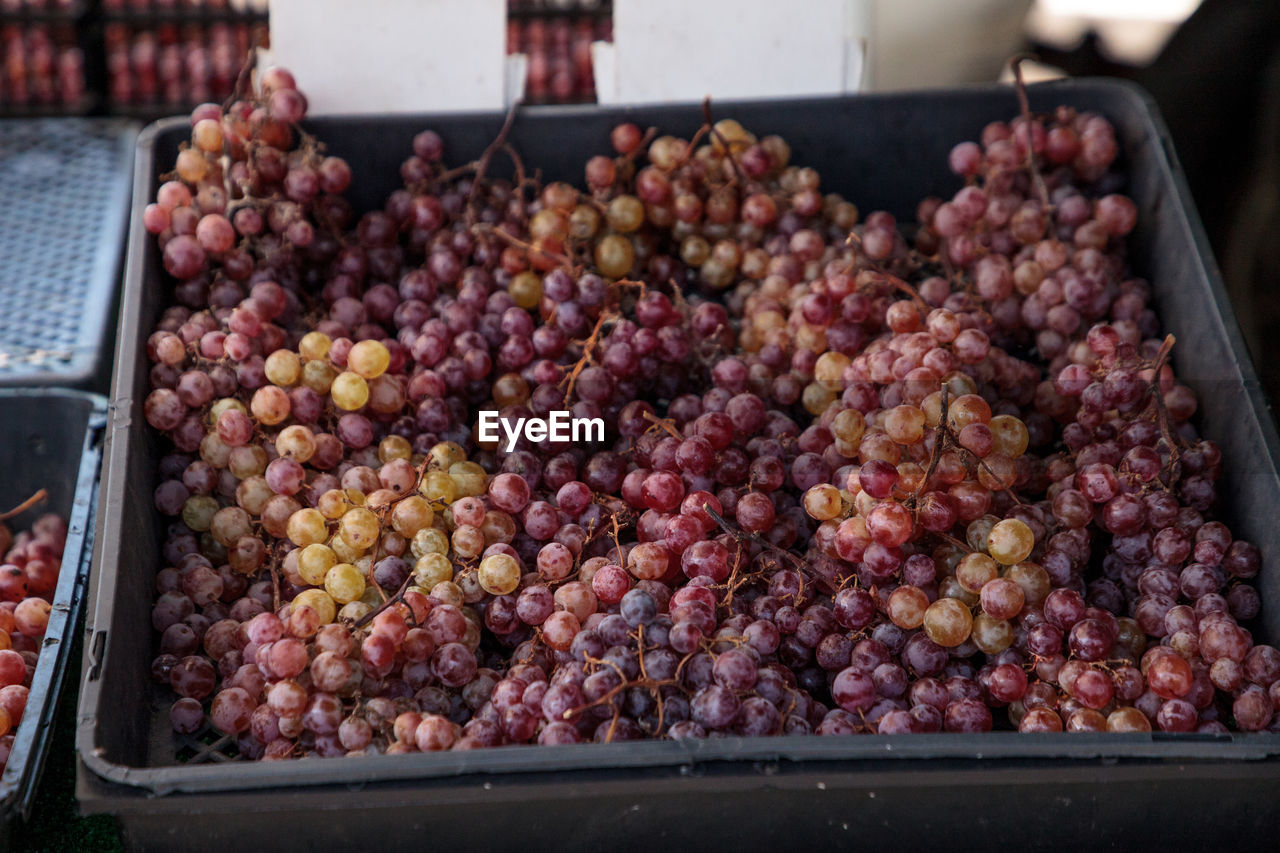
[[49, 440], [881, 151], [65, 185]]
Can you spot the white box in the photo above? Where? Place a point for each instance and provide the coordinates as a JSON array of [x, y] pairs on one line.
[[677, 50], [393, 56]]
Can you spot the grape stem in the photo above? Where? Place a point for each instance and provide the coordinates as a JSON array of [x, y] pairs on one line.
[[728, 152], [382, 524], [275, 585], [628, 160], [399, 596], [482, 165], [39, 496], [639, 638], [497, 231], [1020, 86], [939, 446], [454, 173], [616, 529], [1162, 412], [947, 440], [644, 681], [587, 346], [894, 281], [742, 535], [518, 164], [243, 78], [665, 424], [947, 537]]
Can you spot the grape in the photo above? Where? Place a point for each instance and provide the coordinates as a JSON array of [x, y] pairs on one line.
[[31, 617], [853, 690], [231, 710], [186, 715]]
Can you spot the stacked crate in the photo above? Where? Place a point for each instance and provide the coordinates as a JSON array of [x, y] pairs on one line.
[[42, 58], [556, 35]]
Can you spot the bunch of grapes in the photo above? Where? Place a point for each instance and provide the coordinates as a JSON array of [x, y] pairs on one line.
[[853, 477], [28, 577]]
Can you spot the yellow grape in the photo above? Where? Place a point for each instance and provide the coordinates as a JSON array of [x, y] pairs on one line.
[[1010, 435], [975, 570], [360, 527], [469, 479], [198, 512], [411, 515], [829, 370], [283, 368], [346, 552], [499, 574], [296, 442], [191, 165], [614, 255], [815, 398], [349, 391], [307, 527], [207, 135], [431, 540], [247, 461], [445, 454], [905, 424], [334, 503], [438, 486], [314, 345], [526, 290], [319, 376], [368, 359], [948, 622], [1010, 541], [314, 561], [991, 635], [431, 569], [270, 405], [354, 611], [319, 601], [344, 583], [394, 447], [823, 502], [849, 427]]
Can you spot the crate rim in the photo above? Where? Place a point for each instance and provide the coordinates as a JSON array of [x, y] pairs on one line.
[[31, 738], [90, 353], [1062, 749]]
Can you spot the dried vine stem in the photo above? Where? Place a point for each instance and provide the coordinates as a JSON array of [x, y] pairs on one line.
[[587, 346], [383, 513], [1174, 441], [667, 425], [39, 496], [742, 535], [719, 137], [482, 165], [399, 596], [244, 77], [947, 440], [497, 231], [894, 281], [627, 161], [1020, 86]]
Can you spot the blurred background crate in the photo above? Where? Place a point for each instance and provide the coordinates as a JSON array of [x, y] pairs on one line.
[[66, 184]]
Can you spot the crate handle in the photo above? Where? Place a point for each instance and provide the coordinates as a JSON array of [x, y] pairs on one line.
[[96, 649]]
